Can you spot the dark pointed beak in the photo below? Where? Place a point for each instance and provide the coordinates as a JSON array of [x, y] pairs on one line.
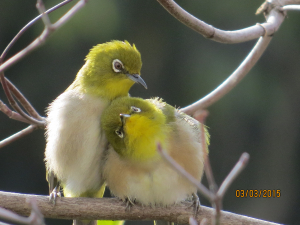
[[137, 78], [123, 117]]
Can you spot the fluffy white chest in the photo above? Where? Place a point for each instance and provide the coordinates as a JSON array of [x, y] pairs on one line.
[[74, 141], [157, 185]]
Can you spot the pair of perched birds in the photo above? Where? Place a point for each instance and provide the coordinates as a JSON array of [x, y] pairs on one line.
[[98, 135]]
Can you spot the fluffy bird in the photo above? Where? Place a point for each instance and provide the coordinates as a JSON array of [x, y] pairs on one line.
[[75, 142], [133, 170]]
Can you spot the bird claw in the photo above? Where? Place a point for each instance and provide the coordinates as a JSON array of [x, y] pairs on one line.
[[129, 203], [54, 194], [196, 204]]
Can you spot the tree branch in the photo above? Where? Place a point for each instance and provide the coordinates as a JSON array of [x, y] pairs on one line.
[[35, 217], [232, 80], [20, 33], [228, 37], [114, 209], [43, 37], [18, 135]]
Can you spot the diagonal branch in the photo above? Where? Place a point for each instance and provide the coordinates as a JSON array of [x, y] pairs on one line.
[[11, 114], [24, 102], [43, 37], [232, 80], [18, 135], [15, 105], [25, 28]]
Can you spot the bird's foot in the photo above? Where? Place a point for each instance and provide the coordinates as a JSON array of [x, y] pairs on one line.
[[196, 203], [54, 194], [129, 203]]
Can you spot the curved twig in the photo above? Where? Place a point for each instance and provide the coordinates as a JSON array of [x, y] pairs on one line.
[[24, 102], [20, 33], [11, 114], [232, 80], [44, 35], [15, 105], [229, 37]]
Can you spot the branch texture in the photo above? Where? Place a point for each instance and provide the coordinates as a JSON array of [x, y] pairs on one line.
[[114, 209]]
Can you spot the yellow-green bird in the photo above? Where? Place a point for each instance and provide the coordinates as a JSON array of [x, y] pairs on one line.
[[134, 170], [75, 142]]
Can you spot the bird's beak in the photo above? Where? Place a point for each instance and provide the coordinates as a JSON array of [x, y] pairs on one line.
[[137, 78], [123, 117]]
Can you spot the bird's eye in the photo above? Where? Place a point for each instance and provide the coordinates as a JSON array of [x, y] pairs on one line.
[[119, 133], [117, 65], [135, 109]]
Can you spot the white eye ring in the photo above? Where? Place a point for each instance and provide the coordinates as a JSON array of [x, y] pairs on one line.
[[117, 65], [135, 109], [119, 133]]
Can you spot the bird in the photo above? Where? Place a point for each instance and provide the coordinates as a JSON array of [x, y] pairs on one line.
[[74, 140], [134, 171]]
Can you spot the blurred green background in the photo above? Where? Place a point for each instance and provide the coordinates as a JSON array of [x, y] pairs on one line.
[[260, 116]]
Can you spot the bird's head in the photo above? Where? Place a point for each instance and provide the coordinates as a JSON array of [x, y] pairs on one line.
[[110, 70], [133, 127]]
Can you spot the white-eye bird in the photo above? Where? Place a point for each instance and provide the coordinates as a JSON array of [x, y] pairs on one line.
[[75, 142], [134, 170]]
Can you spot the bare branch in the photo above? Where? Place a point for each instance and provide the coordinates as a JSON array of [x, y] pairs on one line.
[[201, 117], [20, 33], [291, 7], [18, 135], [11, 114], [237, 169], [229, 37], [15, 105], [114, 209], [232, 80], [179, 169], [35, 218], [41, 8], [24, 102], [192, 221], [274, 20], [42, 38], [274, 17]]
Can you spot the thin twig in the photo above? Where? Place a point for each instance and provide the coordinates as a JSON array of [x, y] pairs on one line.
[[11, 114], [25, 28], [42, 38], [291, 7], [237, 169], [15, 105], [192, 221], [229, 37], [42, 10], [274, 20], [201, 117], [24, 102], [179, 169], [232, 80], [18, 135], [35, 218]]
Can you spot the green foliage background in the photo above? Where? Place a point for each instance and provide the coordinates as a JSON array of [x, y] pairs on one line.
[[260, 116]]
